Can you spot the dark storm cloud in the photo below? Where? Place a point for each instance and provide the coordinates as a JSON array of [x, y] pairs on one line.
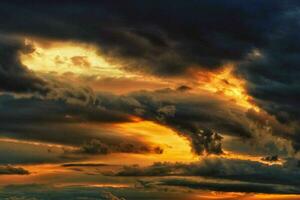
[[10, 170], [47, 192], [13, 75], [201, 118], [220, 168], [25, 110], [166, 38], [22, 153], [21, 118], [95, 146], [231, 186], [273, 74], [158, 37], [270, 158], [61, 122]]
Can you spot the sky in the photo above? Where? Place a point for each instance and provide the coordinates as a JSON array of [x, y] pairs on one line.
[[149, 100]]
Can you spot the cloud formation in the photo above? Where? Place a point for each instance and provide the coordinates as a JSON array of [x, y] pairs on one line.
[[176, 44], [201, 118], [207, 38], [251, 173], [250, 37], [8, 170], [261, 37], [48, 192], [95, 147], [14, 75]]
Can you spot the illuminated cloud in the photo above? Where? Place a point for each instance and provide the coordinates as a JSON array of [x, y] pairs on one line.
[[140, 82], [67, 58], [250, 173]]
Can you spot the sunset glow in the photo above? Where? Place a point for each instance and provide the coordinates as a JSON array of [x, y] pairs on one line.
[[62, 58], [149, 100], [224, 82]]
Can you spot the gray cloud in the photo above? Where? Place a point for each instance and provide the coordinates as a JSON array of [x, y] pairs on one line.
[[231, 186], [270, 158], [201, 118], [62, 124], [207, 38], [13, 75], [95, 146], [220, 168], [47, 192], [8, 170]]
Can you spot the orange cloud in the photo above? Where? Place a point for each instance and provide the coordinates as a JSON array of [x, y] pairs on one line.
[[225, 83]]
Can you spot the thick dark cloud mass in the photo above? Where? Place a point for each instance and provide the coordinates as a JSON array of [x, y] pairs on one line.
[[46, 119], [167, 38], [97, 147], [21, 118], [63, 122], [164, 37], [231, 186], [8, 169], [255, 173], [270, 158], [13, 75], [200, 118], [46, 192], [273, 76]]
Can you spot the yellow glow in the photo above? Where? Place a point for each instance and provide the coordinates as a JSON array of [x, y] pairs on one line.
[[176, 148], [219, 195], [244, 196], [100, 185], [272, 196], [225, 83], [68, 57], [83, 64]]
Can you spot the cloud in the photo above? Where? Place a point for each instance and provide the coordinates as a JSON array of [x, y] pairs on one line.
[[28, 153], [207, 36], [270, 158], [230, 186], [201, 118], [109, 196], [220, 168], [13, 75], [48, 192], [95, 146], [272, 75], [64, 124], [9, 170], [45, 192], [84, 165], [260, 39]]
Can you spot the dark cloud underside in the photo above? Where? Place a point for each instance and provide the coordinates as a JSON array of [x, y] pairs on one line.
[[167, 40]]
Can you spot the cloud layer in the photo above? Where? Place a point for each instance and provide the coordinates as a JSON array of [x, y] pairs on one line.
[[176, 46]]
